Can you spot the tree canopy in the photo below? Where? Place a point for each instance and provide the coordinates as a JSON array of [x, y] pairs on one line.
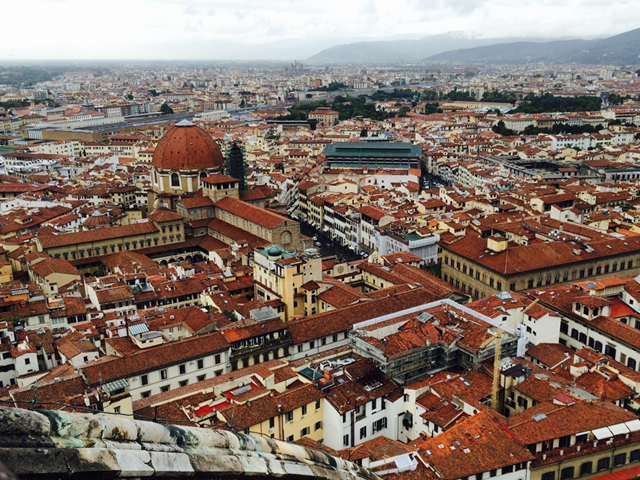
[[550, 103], [166, 109]]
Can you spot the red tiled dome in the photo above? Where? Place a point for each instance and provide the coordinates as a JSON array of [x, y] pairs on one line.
[[187, 147]]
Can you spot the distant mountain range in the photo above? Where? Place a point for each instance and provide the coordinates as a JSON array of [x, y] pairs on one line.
[[391, 51], [619, 49]]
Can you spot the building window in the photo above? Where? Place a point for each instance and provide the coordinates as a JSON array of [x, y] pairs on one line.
[[183, 369], [363, 432], [144, 380], [163, 374], [603, 464], [318, 426], [585, 468], [584, 438], [165, 388], [200, 364], [305, 431], [304, 410], [619, 459], [566, 473], [345, 440], [175, 180], [217, 359], [379, 425], [289, 416], [548, 476], [184, 383], [290, 438], [145, 394], [634, 456]]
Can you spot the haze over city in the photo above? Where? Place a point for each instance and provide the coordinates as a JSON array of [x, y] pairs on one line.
[[284, 29]]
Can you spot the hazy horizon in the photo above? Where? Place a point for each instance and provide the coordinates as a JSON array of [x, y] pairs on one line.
[[283, 29]]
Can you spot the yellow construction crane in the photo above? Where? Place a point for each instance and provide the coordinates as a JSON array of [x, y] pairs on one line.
[[496, 360]]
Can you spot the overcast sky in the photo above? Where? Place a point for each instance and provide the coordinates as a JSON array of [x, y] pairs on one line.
[[282, 29]]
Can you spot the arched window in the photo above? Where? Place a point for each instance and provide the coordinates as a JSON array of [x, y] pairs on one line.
[[285, 237], [175, 180]]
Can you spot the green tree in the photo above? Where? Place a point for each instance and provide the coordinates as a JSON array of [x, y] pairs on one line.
[[429, 95], [128, 96], [364, 133], [236, 165], [550, 103], [502, 129], [430, 108], [166, 109]]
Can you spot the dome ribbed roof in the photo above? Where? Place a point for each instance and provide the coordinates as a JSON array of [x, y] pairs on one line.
[[187, 147]]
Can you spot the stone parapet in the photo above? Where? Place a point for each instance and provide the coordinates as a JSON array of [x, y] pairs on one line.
[[55, 444]]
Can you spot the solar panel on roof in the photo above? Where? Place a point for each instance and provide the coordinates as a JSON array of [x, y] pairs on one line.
[[241, 390], [116, 385], [138, 328], [539, 417]]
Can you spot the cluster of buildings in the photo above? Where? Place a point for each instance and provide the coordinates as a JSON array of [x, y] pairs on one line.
[[478, 314]]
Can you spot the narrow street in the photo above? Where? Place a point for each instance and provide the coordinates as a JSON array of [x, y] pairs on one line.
[[327, 246]]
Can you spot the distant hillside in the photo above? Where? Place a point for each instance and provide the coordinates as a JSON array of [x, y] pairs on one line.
[[619, 49], [399, 50]]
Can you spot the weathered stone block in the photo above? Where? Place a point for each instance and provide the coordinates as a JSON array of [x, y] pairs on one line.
[[35, 461], [171, 464], [16, 421], [134, 463], [203, 463], [93, 460]]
